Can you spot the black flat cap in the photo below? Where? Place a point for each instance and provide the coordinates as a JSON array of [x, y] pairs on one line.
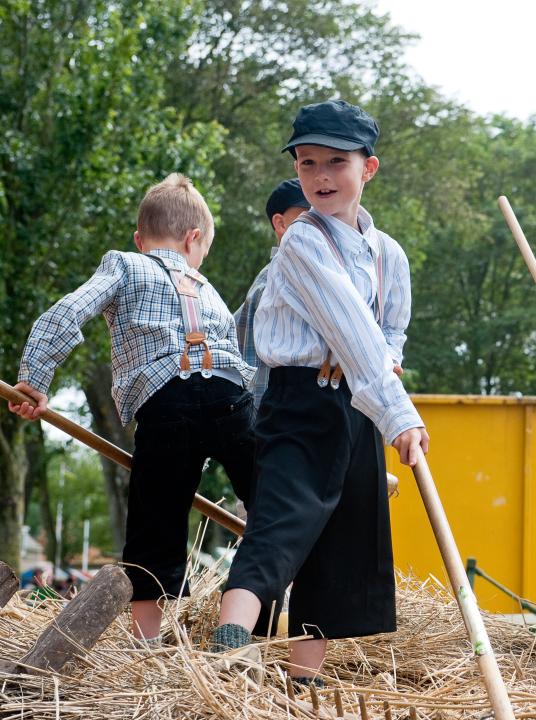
[[335, 124], [286, 195]]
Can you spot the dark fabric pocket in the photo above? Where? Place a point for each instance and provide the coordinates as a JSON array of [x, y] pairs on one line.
[[236, 418]]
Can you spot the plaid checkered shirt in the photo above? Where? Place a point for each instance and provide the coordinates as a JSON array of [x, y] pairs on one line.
[[142, 310]]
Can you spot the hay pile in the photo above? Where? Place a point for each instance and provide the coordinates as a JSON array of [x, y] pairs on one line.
[[424, 670]]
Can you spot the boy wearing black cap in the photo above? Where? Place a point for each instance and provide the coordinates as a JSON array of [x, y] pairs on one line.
[[285, 203], [331, 326]]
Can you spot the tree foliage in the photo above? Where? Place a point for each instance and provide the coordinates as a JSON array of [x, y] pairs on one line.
[[98, 100]]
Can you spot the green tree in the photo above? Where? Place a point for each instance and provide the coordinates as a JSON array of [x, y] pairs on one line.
[[250, 66], [86, 130], [473, 328]]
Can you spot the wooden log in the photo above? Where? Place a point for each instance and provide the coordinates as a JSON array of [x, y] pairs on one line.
[[79, 625], [9, 583], [363, 708], [387, 710]]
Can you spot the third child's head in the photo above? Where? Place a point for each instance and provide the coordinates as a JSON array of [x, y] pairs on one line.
[[285, 203], [174, 215], [333, 146]]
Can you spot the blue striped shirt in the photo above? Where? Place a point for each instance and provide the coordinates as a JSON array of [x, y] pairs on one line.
[[312, 304], [143, 313], [244, 317]]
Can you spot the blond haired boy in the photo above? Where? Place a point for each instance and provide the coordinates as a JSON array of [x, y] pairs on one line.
[[176, 369]]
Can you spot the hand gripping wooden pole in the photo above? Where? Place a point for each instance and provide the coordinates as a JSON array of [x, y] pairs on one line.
[[519, 235], [119, 456], [472, 618]]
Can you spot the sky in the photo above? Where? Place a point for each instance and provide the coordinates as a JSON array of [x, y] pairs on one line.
[[479, 52]]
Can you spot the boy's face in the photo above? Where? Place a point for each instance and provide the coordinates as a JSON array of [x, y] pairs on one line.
[[333, 180]]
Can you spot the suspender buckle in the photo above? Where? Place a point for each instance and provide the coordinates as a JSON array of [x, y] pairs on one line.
[[185, 374], [206, 373]]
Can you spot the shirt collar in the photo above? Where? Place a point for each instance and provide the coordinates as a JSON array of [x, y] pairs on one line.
[[171, 255], [352, 238], [273, 252]]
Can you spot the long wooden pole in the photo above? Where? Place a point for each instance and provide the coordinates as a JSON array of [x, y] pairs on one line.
[[519, 235], [119, 456], [472, 618]]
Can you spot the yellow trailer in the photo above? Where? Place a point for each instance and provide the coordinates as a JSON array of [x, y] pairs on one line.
[[483, 460]]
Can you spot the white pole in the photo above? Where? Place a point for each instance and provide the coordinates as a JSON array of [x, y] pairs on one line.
[[85, 546], [476, 630], [59, 520], [519, 235]]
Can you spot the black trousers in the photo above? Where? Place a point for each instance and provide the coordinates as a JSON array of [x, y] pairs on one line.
[[178, 428], [320, 514]]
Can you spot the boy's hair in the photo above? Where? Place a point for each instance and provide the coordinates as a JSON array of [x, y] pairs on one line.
[[173, 207]]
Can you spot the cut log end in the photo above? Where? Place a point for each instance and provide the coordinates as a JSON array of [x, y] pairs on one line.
[[9, 583], [81, 622]]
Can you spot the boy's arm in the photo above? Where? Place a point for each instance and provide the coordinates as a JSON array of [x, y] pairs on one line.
[[58, 330], [322, 292], [397, 308]]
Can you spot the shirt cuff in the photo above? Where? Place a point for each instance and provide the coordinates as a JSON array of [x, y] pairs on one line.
[[393, 420], [38, 379]]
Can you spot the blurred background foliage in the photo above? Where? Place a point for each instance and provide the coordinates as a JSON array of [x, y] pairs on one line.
[[99, 99]]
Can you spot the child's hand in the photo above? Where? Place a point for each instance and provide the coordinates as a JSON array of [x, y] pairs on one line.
[[407, 443], [25, 410], [398, 370]]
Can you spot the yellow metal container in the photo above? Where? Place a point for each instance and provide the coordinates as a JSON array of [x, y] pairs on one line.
[[483, 460]]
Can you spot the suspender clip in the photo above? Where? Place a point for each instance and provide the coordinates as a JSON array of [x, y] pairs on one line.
[[325, 371], [336, 377]]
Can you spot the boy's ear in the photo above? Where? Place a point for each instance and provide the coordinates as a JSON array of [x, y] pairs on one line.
[[191, 236], [370, 167], [137, 241], [278, 224]]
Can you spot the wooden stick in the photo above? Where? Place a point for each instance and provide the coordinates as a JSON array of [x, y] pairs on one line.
[[79, 625], [338, 702], [474, 624], [9, 583], [387, 710], [519, 235], [363, 707], [314, 698], [119, 456]]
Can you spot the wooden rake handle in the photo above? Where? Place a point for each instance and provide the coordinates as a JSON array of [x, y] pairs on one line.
[[119, 456], [519, 235], [472, 618]]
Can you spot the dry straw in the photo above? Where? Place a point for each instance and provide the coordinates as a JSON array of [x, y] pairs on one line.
[[424, 670]]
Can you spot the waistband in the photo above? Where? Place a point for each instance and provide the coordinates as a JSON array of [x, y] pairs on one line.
[[231, 374], [296, 375]]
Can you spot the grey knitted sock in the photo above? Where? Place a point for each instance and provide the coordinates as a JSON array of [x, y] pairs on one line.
[[154, 642], [306, 681], [229, 637]]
